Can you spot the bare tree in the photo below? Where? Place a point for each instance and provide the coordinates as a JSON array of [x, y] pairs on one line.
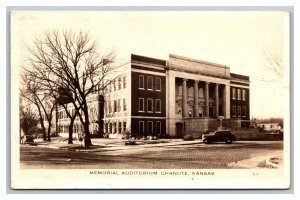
[[274, 63], [68, 64], [28, 118], [44, 103]]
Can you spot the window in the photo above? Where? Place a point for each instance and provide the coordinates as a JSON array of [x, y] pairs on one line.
[[239, 111], [119, 83], [124, 81], [179, 89], [158, 105], [158, 127], [75, 128], [114, 83], [110, 128], [150, 105], [141, 126], [106, 128], [120, 127], [157, 84], [141, 104], [115, 106], [141, 82], [109, 106], [244, 95], [211, 93], [119, 105], [110, 87], [149, 83], [124, 105], [201, 93], [233, 93], [124, 127], [233, 111], [244, 111], [150, 128], [115, 127], [239, 94]]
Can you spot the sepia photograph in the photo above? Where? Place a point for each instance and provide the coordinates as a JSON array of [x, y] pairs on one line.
[[150, 99]]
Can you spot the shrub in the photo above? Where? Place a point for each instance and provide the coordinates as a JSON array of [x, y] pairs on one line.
[[187, 137], [130, 143]]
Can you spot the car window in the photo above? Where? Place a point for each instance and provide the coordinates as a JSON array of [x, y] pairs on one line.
[[219, 133]]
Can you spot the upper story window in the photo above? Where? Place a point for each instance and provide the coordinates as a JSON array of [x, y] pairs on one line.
[[119, 105], [158, 105], [244, 95], [233, 93], [211, 93], [114, 83], [141, 105], [201, 93], [119, 83], [239, 94], [141, 82], [239, 111], [150, 105], [124, 105], [149, 83], [124, 81], [158, 84], [109, 106], [115, 106]]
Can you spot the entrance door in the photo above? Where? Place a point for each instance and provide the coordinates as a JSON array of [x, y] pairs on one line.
[[179, 127], [211, 111]]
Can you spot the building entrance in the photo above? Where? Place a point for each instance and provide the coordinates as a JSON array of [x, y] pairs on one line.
[[179, 129]]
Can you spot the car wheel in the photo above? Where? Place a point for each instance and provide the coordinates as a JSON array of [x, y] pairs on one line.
[[228, 141], [205, 141]]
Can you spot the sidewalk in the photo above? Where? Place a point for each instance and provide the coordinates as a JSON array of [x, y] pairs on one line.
[[274, 160], [101, 144]]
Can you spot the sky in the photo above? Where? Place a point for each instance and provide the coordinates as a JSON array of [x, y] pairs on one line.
[[240, 40]]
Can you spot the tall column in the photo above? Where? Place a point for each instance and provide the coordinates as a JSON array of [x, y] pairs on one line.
[[184, 98], [206, 99], [224, 101], [196, 90], [217, 100]]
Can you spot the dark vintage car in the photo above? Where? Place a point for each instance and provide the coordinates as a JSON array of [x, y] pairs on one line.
[[219, 136], [27, 139]]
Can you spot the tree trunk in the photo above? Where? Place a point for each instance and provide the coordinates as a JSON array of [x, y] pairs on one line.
[[49, 133], [42, 125], [70, 140], [87, 135]]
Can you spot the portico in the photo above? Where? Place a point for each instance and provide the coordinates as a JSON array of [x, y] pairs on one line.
[[198, 92], [197, 98]]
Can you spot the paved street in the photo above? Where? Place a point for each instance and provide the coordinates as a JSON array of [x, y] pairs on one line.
[[177, 156]]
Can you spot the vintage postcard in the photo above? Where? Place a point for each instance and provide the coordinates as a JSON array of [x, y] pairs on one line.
[[150, 99]]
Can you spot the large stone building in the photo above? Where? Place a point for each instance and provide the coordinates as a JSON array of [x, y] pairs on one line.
[[152, 97]]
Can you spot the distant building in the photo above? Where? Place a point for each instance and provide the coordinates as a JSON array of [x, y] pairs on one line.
[[270, 126], [153, 97]]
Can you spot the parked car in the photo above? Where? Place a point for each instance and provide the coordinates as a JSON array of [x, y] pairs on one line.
[[219, 136], [27, 139]]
